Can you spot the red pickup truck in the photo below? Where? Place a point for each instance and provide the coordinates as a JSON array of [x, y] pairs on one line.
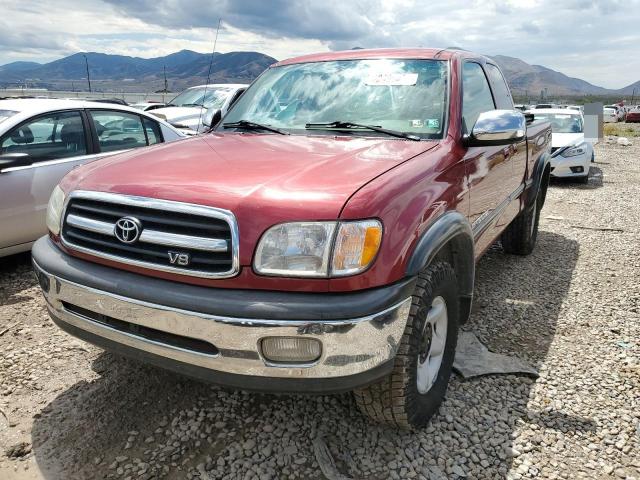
[[321, 237]]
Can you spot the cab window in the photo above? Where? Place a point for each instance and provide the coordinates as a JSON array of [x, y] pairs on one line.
[[48, 137], [476, 95], [500, 88]]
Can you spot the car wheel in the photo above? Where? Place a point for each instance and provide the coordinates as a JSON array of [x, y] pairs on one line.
[[520, 236], [411, 394], [584, 179]]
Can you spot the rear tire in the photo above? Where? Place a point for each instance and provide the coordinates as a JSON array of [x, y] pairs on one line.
[[520, 236], [409, 396]]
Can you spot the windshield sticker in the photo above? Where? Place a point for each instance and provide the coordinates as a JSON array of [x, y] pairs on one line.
[[392, 79], [433, 123], [417, 123]]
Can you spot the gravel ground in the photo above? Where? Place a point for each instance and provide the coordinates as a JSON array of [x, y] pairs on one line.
[[572, 309]]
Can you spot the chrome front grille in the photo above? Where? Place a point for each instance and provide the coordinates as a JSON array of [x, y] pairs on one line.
[[168, 236]]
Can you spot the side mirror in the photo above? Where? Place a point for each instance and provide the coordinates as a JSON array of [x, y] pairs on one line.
[[211, 117], [11, 160], [497, 127]]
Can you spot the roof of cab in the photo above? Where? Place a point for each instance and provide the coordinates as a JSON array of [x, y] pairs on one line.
[[363, 54]]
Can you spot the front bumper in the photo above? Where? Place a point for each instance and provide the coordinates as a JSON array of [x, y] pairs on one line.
[[577, 166], [148, 318]]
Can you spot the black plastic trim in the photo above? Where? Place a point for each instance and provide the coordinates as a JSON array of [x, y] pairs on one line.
[[244, 382], [250, 304], [451, 228], [531, 192]]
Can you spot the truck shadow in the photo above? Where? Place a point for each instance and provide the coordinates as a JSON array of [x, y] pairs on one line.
[[169, 420]]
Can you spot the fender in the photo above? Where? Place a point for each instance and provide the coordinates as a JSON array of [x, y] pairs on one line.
[[534, 183], [452, 229]]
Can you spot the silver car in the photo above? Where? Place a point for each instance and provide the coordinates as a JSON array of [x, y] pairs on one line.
[[41, 140]]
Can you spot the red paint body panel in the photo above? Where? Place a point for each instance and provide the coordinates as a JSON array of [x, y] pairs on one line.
[[263, 179], [266, 179], [633, 116]]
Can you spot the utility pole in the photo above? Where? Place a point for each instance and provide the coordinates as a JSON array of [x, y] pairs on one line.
[[166, 85], [633, 94], [86, 62]]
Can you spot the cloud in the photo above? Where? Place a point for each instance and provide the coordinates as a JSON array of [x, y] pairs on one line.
[[576, 37]]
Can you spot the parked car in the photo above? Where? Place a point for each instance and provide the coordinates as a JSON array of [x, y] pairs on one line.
[[633, 115], [322, 238], [146, 106], [620, 113], [194, 107], [609, 115], [42, 140], [579, 108], [571, 155]]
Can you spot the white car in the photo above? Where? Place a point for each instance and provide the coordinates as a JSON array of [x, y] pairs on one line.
[[620, 112], [609, 115], [193, 108], [571, 155], [579, 108], [42, 140], [146, 106]]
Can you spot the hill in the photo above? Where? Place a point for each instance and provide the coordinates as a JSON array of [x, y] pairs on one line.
[[183, 67]]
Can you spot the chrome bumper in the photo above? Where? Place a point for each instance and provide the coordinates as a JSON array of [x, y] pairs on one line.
[[349, 347]]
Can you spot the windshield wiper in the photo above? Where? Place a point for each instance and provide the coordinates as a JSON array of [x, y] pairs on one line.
[[350, 125], [191, 105], [246, 124]]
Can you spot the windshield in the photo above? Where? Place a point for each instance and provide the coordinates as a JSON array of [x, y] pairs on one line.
[[4, 114], [401, 95], [193, 97], [562, 123]]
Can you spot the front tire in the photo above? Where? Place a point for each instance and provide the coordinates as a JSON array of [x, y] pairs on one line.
[[409, 396]]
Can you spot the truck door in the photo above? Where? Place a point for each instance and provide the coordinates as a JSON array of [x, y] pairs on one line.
[[489, 171], [518, 157]]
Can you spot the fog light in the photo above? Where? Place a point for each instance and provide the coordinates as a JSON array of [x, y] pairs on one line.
[[291, 349], [577, 169]]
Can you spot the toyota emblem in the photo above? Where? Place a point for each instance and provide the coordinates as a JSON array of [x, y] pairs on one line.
[[127, 229]]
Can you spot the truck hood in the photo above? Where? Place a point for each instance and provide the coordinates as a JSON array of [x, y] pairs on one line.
[[560, 140], [258, 175], [187, 116]]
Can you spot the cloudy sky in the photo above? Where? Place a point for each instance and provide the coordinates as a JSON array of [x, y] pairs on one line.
[[596, 40]]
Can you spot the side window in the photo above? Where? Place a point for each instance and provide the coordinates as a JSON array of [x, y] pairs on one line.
[[48, 137], [118, 130], [476, 96], [153, 131], [500, 88]]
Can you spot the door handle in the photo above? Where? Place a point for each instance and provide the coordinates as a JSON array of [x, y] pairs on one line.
[[509, 150]]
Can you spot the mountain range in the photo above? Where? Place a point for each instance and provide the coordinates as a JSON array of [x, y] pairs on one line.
[[183, 68], [186, 68]]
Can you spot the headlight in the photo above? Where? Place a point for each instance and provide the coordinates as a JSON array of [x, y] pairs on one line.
[[318, 249], [54, 210], [575, 150]]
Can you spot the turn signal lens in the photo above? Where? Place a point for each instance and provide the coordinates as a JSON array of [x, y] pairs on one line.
[[356, 246], [291, 349]]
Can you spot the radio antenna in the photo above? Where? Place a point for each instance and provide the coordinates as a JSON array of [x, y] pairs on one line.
[[213, 52]]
